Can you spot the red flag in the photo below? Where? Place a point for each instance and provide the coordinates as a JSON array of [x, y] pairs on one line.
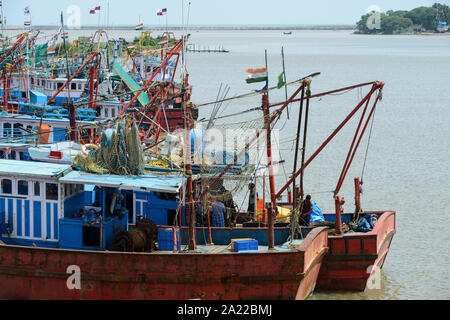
[[92, 11], [97, 8], [164, 10]]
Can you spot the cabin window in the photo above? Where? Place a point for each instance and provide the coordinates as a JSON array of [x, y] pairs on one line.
[[6, 129], [2, 154], [32, 80], [17, 130], [106, 113], [60, 84], [13, 155], [73, 86], [113, 113], [6, 186], [51, 191], [22, 187], [21, 155], [37, 189]]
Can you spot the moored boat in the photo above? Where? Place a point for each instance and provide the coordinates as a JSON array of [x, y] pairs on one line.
[[42, 273], [354, 257]]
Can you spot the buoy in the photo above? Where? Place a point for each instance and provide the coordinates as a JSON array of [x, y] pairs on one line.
[[90, 146]]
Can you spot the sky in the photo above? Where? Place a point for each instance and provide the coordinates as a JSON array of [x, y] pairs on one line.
[[204, 12]]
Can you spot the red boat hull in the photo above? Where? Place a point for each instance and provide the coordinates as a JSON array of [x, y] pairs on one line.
[[353, 258], [41, 273]]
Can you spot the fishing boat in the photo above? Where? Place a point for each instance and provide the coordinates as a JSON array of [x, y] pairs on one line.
[[55, 228], [44, 237], [354, 254], [97, 89]]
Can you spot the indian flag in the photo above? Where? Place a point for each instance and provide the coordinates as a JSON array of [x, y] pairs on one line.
[[131, 46], [163, 41], [140, 26], [65, 35], [27, 23], [256, 75], [51, 51]]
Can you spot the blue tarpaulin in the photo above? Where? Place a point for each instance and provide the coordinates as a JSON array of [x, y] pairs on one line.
[[316, 214], [365, 224]]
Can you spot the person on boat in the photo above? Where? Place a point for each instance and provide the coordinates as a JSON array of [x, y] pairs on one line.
[[230, 206], [307, 208], [199, 216], [217, 214], [90, 217], [252, 201]]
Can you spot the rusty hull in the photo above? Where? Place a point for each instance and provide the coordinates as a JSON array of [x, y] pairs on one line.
[[41, 273], [352, 258]]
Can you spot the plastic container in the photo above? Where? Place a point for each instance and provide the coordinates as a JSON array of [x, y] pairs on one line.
[[233, 240], [245, 245], [165, 239]]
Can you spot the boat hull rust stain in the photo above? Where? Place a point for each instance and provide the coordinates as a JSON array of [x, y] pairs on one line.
[[353, 258], [41, 273]]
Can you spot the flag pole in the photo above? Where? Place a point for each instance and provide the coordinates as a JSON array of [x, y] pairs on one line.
[[284, 76], [107, 19], [267, 80], [2, 21]]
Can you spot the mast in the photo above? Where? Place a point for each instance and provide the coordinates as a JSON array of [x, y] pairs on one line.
[[186, 105], [271, 210], [297, 141], [188, 161], [305, 129]]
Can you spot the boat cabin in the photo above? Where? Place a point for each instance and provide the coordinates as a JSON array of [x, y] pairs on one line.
[[46, 86], [50, 205], [20, 128]]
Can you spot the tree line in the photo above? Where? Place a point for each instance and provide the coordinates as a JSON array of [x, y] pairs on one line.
[[424, 19]]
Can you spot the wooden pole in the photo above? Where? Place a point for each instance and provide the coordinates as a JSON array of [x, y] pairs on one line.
[[297, 141], [190, 200], [304, 145]]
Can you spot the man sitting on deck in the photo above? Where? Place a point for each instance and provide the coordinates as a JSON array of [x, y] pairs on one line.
[[305, 214]]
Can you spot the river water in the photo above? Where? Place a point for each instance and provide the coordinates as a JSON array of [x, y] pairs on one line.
[[407, 168]]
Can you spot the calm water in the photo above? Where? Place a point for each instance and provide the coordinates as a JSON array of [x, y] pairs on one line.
[[408, 162]]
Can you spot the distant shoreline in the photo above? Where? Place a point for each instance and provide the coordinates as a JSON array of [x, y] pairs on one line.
[[201, 27]]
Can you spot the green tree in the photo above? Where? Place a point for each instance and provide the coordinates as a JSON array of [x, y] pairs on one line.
[[425, 16], [443, 12], [393, 24]]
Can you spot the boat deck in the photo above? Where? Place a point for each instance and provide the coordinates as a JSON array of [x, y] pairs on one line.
[[227, 248]]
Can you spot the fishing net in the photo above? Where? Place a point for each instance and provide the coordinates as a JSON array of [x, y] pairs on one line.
[[120, 152]]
